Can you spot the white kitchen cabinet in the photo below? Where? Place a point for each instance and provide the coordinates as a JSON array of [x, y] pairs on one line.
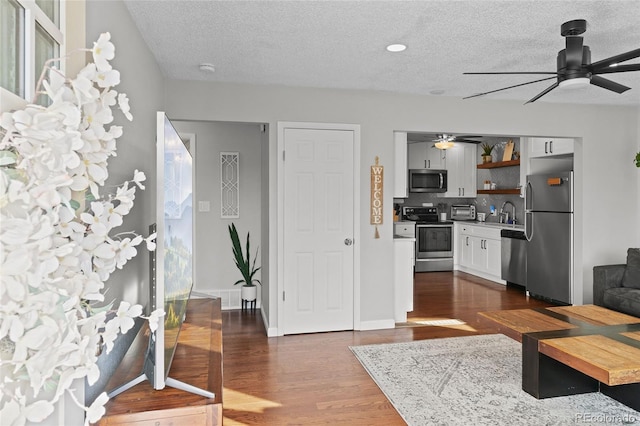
[[424, 155], [400, 163], [465, 246], [404, 254], [461, 160], [479, 251], [544, 147]]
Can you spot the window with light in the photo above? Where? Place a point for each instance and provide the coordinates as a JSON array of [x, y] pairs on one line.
[[30, 34]]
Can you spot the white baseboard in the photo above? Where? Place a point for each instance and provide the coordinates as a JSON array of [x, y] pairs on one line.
[[481, 274], [271, 331], [377, 325], [230, 298]]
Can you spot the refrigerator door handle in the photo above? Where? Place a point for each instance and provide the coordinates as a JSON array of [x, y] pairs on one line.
[[527, 195], [528, 224]]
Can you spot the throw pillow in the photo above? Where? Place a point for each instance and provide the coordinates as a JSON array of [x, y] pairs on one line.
[[631, 277]]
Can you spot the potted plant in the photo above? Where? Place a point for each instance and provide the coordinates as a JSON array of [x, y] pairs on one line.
[[637, 159], [246, 268], [486, 152]]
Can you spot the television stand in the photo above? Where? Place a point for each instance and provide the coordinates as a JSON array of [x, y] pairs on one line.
[[197, 360]]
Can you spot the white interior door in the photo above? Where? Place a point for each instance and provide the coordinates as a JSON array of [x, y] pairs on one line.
[[318, 250]]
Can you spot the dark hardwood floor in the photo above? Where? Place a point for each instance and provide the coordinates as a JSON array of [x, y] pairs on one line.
[[315, 379]]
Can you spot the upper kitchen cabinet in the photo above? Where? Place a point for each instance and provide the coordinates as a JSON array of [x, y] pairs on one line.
[[400, 164], [424, 155], [461, 171], [543, 147]]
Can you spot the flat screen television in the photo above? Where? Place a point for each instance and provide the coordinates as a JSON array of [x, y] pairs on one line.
[[171, 263]]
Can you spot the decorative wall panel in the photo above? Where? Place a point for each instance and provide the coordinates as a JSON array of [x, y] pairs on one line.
[[229, 185]]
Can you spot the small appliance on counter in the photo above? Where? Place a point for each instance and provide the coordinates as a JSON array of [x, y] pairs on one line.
[[463, 212]]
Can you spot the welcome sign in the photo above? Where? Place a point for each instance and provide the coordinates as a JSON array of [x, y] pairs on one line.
[[377, 192]]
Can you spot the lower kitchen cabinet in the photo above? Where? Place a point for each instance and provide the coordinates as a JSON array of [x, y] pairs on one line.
[[479, 251], [404, 254]]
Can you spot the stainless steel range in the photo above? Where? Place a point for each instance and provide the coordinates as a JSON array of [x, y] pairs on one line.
[[434, 239]]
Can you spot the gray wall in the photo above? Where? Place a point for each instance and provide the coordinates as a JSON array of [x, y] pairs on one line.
[[215, 268], [380, 114], [608, 139], [142, 81]]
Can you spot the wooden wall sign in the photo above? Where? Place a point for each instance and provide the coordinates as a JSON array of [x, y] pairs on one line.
[[377, 192]]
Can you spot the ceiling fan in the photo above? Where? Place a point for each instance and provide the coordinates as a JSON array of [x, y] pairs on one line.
[[445, 141], [574, 65]]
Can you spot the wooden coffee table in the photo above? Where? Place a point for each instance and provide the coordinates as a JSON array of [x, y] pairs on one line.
[[568, 350]]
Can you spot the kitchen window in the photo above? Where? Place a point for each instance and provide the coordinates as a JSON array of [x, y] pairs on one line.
[[30, 34]]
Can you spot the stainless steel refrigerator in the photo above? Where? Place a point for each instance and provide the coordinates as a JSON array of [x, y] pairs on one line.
[[549, 232]]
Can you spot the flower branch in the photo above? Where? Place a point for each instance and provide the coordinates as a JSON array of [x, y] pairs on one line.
[[56, 244]]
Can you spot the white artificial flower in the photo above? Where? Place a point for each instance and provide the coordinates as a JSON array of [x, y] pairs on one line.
[[108, 78], [138, 178], [123, 103], [96, 410], [154, 318], [150, 240], [127, 250], [38, 411], [125, 315], [103, 51]]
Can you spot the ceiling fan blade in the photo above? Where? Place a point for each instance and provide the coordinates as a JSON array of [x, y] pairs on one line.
[[608, 84], [467, 140], [510, 87], [618, 68], [514, 72], [468, 136], [573, 52], [541, 94], [597, 66]]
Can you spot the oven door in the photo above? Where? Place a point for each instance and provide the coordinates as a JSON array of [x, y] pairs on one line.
[[434, 241]]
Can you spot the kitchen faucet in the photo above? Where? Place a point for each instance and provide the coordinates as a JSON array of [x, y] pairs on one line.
[[504, 216]]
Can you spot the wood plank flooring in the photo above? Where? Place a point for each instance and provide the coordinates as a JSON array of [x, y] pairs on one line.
[[315, 379]]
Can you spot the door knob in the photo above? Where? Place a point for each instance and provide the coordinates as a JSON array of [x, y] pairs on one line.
[[348, 241]]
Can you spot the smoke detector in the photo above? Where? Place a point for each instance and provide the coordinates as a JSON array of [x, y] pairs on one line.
[[208, 68]]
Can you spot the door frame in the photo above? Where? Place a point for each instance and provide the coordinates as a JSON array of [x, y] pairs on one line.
[[355, 128]]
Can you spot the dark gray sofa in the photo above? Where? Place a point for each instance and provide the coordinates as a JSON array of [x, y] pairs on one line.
[[617, 287]]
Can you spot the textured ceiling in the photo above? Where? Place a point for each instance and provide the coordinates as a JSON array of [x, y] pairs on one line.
[[341, 44]]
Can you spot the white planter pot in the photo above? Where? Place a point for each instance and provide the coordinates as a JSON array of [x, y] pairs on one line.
[[249, 293]]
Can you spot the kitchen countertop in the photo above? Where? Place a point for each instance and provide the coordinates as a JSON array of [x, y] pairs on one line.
[[493, 225]]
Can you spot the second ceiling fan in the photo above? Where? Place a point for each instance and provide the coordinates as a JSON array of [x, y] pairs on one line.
[[574, 65], [445, 141]]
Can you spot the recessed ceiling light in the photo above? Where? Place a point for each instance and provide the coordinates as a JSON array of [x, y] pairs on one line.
[[437, 92], [205, 67], [396, 47]]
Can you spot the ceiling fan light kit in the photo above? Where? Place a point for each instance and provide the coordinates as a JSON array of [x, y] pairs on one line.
[[574, 67], [444, 144], [445, 141]]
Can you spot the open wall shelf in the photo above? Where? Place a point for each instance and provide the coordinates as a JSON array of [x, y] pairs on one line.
[[494, 165]]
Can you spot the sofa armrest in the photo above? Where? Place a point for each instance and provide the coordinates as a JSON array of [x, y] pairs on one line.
[[605, 277]]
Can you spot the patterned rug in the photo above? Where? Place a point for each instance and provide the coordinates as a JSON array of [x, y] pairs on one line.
[[475, 380]]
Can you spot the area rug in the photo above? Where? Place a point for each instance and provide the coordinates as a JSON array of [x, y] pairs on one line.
[[475, 380]]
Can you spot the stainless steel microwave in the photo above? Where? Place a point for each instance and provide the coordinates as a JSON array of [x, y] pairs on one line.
[[427, 180]]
